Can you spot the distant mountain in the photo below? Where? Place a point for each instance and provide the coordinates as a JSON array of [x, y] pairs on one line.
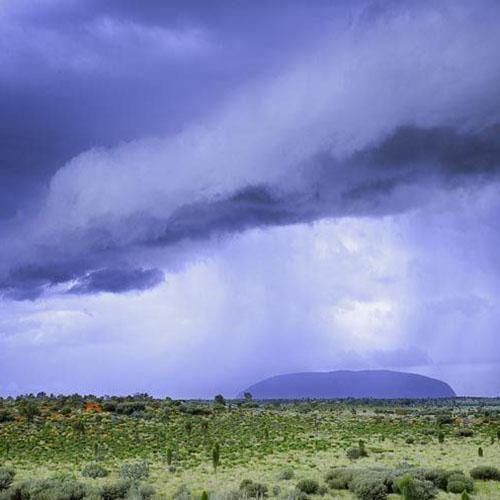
[[350, 384]]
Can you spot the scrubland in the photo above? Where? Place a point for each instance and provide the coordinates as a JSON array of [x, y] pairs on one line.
[[86, 447]]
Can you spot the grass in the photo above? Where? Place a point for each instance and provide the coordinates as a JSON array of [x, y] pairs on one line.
[[257, 440]]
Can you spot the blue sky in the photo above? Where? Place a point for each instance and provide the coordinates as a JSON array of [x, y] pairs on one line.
[[195, 195]]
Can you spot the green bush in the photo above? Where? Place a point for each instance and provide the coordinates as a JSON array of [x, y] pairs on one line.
[[485, 472], [438, 477], [113, 491], [253, 489], [357, 452], [458, 482], [182, 493], [94, 470], [48, 489], [141, 492], [369, 486], [6, 477], [65, 411], [339, 478], [308, 486], [6, 416], [444, 420], [29, 409], [286, 474], [136, 471], [416, 489], [353, 453], [322, 490]]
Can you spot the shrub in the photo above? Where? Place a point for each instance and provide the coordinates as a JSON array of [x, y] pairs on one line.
[[353, 453], [65, 411], [252, 489], [216, 456], [6, 416], [170, 455], [416, 489], [438, 477], [322, 490], [444, 420], [485, 472], [136, 471], [441, 437], [182, 493], [360, 451], [78, 426], [48, 489], [112, 491], [130, 407], [480, 452], [94, 470], [142, 492], [286, 474], [309, 486], [458, 482], [465, 432], [339, 478], [109, 406], [29, 409], [6, 477], [369, 487]]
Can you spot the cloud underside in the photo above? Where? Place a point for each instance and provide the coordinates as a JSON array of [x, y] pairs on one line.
[[388, 177], [384, 178], [367, 115]]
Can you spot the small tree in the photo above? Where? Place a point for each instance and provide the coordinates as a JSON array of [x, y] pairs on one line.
[[169, 456], [78, 427], [216, 456], [480, 451], [441, 437], [28, 409], [248, 396], [204, 495], [407, 488], [219, 400], [362, 449]]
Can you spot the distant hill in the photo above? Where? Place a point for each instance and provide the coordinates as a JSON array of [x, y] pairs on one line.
[[350, 384]]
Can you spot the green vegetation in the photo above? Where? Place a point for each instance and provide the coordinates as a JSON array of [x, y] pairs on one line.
[[137, 447]]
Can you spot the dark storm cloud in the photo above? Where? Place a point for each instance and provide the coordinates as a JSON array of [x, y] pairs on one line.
[[28, 282], [117, 280], [409, 155], [264, 116], [77, 75]]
